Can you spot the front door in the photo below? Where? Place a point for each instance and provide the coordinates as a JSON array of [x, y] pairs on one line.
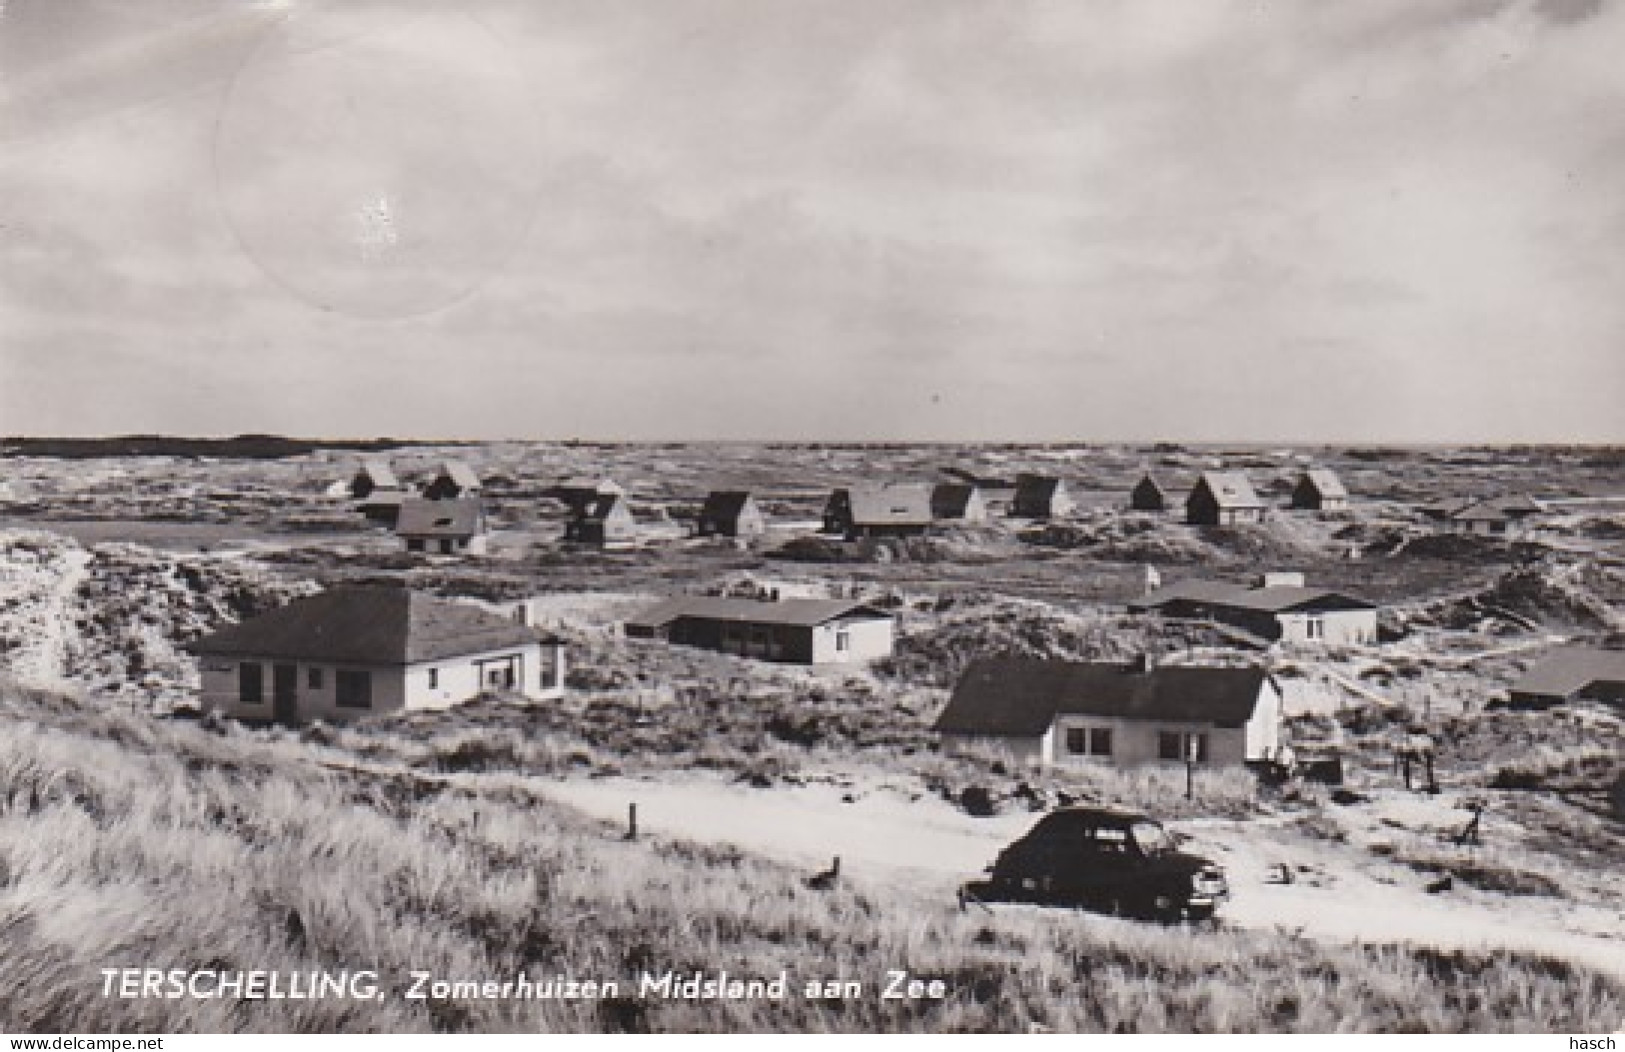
[[285, 693]]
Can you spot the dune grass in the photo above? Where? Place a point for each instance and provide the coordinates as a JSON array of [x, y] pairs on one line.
[[126, 841]]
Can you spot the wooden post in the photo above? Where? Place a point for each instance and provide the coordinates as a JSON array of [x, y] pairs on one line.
[[631, 821]]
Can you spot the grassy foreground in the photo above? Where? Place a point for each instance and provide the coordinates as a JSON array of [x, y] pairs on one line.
[[126, 841]]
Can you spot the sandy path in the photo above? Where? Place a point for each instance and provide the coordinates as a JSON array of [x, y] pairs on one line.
[[40, 601], [884, 836]]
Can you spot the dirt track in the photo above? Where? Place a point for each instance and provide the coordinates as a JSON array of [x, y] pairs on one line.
[[884, 837]]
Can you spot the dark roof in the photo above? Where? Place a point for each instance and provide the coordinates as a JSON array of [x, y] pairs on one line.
[[896, 504], [1149, 479], [1037, 487], [1273, 600], [368, 626], [1567, 671], [1325, 482], [1230, 489], [725, 504], [801, 612], [463, 517], [1020, 697], [951, 499]]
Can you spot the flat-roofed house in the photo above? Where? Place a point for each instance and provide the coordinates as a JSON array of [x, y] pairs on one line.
[[730, 513], [1278, 607], [1319, 489], [354, 651], [605, 521], [1063, 712], [443, 527], [900, 509], [1148, 495], [1496, 517], [455, 479], [1041, 497], [1570, 674], [1223, 498], [958, 501], [798, 631]]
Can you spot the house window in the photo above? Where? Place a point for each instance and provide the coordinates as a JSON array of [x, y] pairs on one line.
[[1181, 745], [250, 683], [434, 679], [353, 689], [1089, 741], [313, 679], [414, 544], [843, 640], [1315, 628]]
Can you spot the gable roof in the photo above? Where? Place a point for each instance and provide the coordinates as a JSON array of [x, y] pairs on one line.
[[797, 612], [421, 517], [602, 506], [1324, 481], [460, 474], [379, 473], [1273, 600], [1498, 509], [1149, 479], [951, 499], [1567, 671], [583, 484], [1230, 489], [1020, 697], [894, 504], [368, 626], [1037, 487], [725, 504]]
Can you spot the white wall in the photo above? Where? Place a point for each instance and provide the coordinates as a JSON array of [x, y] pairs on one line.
[[1341, 626], [867, 639]]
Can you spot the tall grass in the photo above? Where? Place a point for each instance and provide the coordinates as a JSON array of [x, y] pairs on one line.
[[127, 842]]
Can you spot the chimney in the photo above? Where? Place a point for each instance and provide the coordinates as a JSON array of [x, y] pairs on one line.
[[1281, 579]]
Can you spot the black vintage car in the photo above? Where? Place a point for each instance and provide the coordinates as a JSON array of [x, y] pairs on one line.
[[1112, 861]]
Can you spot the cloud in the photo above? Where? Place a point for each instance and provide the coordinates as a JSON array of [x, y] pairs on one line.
[[904, 218]]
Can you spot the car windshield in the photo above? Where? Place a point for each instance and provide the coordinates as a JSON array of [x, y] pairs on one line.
[[1151, 838]]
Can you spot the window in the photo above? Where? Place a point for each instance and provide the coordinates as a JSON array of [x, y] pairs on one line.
[[414, 544], [1315, 628], [313, 679], [434, 679], [1089, 741], [843, 639], [250, 683], [1181, 745], [353, 689]]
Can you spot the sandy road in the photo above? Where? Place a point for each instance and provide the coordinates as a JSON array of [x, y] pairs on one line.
[[887, 836]]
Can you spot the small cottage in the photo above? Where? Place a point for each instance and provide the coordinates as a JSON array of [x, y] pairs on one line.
[[374, 474], [959, 502], [730, 513], [605, 521], [1278, 607], [580, 491], [1041, 497], [893, 510], [1223, 498], [1062, 712], [351, 652], [1319, 489], [798, 631], [1495, 518], [1571, 674], [442, 527], [1148, 495], [455, 479]]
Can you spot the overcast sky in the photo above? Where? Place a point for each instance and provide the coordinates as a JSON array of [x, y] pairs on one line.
[[1371, 220]]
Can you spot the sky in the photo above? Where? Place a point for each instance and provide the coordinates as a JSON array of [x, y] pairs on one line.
[[940, 220]]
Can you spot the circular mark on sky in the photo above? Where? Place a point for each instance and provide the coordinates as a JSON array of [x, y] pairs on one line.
[[376, 162]]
